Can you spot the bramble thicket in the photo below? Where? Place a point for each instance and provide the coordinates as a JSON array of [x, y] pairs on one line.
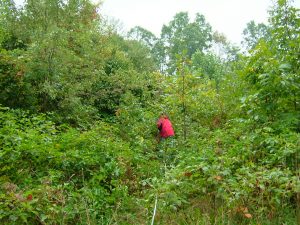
[[79, 103]]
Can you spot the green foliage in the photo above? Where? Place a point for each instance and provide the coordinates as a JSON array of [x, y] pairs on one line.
[[182, 35], [209, 66], [142, 35], [273, 74], [47, 170], [67, 66], [254, 33]]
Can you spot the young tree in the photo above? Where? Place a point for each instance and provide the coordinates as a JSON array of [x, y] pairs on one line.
[[274, 73]]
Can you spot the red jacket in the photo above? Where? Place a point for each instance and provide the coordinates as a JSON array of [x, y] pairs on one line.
[[165, 127]]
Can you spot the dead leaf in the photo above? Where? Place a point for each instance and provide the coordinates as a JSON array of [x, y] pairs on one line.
[[218, 177], [248, 215], [187, 174]]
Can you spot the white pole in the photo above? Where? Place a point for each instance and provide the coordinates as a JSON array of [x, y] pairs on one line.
[[154, 211]]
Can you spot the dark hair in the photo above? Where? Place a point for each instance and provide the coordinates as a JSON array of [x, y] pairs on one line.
[[164, 115]]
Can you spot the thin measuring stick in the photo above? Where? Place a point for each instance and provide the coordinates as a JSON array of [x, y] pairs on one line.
[[154, 211]]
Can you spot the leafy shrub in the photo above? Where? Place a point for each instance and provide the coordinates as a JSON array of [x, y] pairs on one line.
[[48, 170]]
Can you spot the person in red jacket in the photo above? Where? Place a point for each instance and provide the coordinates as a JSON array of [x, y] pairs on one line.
[[166, 151], [165, 127]]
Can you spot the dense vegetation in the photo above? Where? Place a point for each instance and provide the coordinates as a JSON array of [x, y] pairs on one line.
[[78, 110]]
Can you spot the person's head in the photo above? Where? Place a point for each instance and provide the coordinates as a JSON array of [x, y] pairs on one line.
[[164, 115]]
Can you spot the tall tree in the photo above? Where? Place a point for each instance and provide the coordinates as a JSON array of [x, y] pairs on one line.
[[181, 35], [222, 48], [208, 66], [253, 33], [147, 46], [8, 19], [141, 34]]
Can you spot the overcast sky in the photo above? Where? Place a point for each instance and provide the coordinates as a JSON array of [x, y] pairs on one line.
[[226, 16]]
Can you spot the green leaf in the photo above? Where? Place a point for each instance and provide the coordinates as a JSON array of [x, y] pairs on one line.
[[285, 67]]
